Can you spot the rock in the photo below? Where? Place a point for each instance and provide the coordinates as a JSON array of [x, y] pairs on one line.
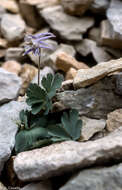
[[99, 6], [86, 47], [47, 3], [2, 53], [12, 27], [30, 13], [114, 120], [108, 36], [2, 12], [62, 23], [71, 73], [86, 77], [43, 72], [94, 34], [3, 43], [67, 85], [64, 62], [10, 6], [9, 114], [45, 54], [63, 48], [90, 127], [12, 66], [95, 101], [77, 7], [10, 85], [116, 53], [119, 84], [67, 156], [28, 72], [114, 15], [2, 187], [46, 185], [14, 53], [96, 179]]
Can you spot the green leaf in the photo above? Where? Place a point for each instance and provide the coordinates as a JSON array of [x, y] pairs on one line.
[[24, 117], [57, 131], [52, 83], [71, 124], [26, 138]]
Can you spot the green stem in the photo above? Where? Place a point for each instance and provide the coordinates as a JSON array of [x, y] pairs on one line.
[[39, 64]]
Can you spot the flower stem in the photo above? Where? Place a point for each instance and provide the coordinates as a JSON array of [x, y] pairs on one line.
[[39, 64]]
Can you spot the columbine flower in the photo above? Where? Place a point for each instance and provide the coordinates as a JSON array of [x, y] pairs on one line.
[[33, 43]]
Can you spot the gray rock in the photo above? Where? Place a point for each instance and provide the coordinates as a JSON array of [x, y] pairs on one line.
[[90, 127], [2, 187], [68, 27], [94, 34], [66, 156], [45, 185], [43, 73], [114, 15], [95, 101], [30, 14], [2, 12], [109, 178], [119, 84], [12, 27], [99, 6], [109, 37], [77, 7], [9, 115], [10, 85], [14, 53], [86, 46]]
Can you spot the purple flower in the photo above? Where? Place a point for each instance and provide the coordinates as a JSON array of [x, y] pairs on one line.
[[33, 43]]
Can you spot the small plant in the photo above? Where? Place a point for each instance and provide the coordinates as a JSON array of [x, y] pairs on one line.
[[36, 127]]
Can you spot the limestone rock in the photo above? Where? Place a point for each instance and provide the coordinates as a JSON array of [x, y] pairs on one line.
[[90, 127], [2, 187], [99, 6], [3, 43], [86, 77], [10, 85], [43, 72], [119, 84], [12, 66], [95, 101], [86, 47], [77, 7], [14, 53], [68, 27], [66, 156], [10, 6], [9, 114], [63, 48], [30, 13], [109, 37], [114, 15], [71, 73], [94, 34], [47, 3], [28, 72], [67, 85], [38, 186], [64, 62], [12, 27], [114, 120], [96, 179]]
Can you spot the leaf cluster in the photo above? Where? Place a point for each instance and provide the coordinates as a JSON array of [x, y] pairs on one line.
[[37, 127]]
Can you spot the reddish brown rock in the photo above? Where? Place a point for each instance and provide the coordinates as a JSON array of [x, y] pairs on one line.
[[12, 66], [64, 62], [71, 73]]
